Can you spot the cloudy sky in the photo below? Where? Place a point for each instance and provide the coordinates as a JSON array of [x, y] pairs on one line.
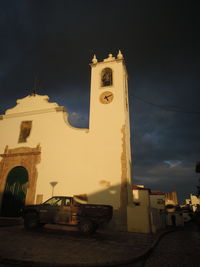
[[55, 41]]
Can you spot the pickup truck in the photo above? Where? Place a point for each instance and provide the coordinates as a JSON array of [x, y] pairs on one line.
[[67, 211]]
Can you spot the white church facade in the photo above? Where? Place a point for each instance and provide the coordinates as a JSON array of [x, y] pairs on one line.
[[42, 155]]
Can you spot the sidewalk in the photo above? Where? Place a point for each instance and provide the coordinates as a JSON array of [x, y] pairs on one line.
[[10, 221], [50, 247]]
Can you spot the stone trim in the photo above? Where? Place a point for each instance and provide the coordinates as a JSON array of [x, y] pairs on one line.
[[26, 157], [124, 182], [19, 154], [103, 62]]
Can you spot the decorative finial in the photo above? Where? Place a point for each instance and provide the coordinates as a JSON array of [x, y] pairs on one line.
[[120, 56], [109, 58], [94, 60]]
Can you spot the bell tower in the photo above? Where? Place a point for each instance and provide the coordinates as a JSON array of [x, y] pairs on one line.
[[109, 128], [109, 90]]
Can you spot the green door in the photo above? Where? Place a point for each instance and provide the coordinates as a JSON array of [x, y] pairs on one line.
[[15, 192]]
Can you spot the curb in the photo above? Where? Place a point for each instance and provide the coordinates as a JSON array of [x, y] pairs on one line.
[[7, 221], [143, 255], [10, 224]]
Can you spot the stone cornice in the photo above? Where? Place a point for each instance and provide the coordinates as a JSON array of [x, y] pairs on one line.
[[34, 112], [104, 62], [20, 154]]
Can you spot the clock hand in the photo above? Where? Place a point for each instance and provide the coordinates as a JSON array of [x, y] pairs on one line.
[[107, 96]]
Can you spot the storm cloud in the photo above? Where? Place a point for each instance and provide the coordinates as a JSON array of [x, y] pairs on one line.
[[52, 43]]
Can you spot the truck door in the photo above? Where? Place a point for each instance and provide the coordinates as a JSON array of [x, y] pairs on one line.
[[64, 214], [50, 209]]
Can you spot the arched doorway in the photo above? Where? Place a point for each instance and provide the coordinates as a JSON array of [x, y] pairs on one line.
[[15, 192]]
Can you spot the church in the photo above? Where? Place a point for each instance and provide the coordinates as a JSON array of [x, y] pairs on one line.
[[42, 155]]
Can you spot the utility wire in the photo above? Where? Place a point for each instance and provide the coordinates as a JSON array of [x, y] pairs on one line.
[[167, 107]]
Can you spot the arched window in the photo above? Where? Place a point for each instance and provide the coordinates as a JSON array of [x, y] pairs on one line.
[[106, 77]]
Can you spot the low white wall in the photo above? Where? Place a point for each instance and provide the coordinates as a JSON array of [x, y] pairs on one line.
[[158, 219], [179, 221], [138, 219]]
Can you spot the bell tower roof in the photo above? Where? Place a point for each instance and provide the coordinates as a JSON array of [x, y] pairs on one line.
[[110, 58]]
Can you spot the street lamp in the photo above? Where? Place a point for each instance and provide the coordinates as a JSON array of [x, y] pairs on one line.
[[53, 184]]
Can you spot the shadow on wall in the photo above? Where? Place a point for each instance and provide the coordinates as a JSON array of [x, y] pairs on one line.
[[116, 196], [11, 205]]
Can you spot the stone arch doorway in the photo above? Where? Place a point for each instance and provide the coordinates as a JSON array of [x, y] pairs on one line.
[[25, 157], [15, 192]]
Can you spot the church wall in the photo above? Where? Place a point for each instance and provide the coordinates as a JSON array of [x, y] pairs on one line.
[[59, 144], [94, 162], [79, 161]]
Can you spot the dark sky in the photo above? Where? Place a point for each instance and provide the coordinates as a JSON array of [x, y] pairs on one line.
[[55, 41]]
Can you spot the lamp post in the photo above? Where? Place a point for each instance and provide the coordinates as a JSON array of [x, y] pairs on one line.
[[53, 184]]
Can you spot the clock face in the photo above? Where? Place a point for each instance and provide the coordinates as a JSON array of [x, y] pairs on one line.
[[106, 97]]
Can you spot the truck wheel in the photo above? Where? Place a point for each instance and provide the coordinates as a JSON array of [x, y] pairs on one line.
[[86, 227], [31, 220], [96, 226], [41, 225]]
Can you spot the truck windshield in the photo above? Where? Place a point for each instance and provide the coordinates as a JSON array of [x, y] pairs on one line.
[[54, 201]]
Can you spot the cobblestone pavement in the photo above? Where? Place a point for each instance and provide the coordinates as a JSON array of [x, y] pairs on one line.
[[60, 248], [177, 249], [49, 247]]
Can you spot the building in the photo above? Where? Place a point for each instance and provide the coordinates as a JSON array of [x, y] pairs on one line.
[[42, 155], [158, 212], [174, 212], [157, 199], [149, 210], [171, 198], [141, 211], [193, 202]]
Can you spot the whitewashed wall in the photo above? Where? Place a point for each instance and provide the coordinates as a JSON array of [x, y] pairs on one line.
[[81, 161]]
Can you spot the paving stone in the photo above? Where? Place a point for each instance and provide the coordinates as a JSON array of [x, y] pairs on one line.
[[50, 246]]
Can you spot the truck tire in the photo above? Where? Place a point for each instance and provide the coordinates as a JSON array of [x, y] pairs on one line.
[[31, 220], [86, 227], [96, 226]]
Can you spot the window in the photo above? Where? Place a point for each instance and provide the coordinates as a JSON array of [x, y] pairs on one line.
[[54, 201], [136, 203], [160, 201], [106, 77], [25, 130], [67, 202]]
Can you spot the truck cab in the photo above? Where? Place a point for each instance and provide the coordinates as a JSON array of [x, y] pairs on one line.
[[69, 211]]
